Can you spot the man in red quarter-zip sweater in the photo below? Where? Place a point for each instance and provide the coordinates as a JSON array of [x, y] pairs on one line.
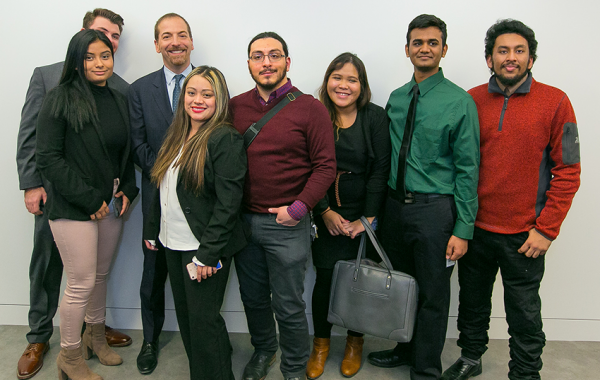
[[529, 174]]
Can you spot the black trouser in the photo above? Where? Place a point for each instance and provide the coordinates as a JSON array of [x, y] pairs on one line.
[[152, 292], [45, 273], [198, 306], [415, 237], [521, 278], [320, 304]]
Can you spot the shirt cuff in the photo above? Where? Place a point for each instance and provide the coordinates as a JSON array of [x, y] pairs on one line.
[[463, 231], [297, 210]]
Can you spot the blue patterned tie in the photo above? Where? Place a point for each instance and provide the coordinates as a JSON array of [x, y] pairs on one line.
[[176, 91]]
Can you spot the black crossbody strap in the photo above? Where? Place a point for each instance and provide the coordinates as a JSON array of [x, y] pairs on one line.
[[253, 130]]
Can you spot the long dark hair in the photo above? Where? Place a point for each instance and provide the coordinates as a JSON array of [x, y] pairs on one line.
[[195, 150], [73, 99], [365, 91]]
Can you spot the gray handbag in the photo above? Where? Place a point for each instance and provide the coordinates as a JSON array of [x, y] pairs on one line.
[[371, 299]]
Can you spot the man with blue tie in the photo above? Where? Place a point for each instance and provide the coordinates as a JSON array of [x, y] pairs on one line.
[[152, 102]]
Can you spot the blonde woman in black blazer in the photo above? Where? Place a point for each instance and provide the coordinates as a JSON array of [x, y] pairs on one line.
[[200, 171], [83, 151]]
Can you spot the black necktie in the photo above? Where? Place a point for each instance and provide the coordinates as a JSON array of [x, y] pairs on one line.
[[408, 131]]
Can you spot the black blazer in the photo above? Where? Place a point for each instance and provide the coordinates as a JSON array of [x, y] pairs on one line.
[[44, 79], [77, 164], [213, 215], [375, 126]]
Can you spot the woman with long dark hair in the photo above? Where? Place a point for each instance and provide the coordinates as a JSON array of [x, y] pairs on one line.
[[362, 147], [200, 172], [83, 150]]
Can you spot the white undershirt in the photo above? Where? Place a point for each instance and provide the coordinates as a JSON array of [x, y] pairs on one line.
[[175, 232]]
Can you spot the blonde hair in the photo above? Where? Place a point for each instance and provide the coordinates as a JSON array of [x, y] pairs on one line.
[[195, 150]]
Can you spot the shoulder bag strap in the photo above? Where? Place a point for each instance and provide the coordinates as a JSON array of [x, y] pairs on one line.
[[253, 130]]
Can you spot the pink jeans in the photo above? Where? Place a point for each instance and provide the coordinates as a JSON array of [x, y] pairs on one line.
[[87, 249]]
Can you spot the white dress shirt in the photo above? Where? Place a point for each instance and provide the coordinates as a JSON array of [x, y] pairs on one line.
[[175, 232]]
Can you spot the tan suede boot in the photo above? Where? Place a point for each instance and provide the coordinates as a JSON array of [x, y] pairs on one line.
[[94, 341], [352, 356], [71, 365], [318, 356]]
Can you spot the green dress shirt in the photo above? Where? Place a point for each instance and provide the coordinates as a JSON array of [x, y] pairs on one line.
[[444, 152]]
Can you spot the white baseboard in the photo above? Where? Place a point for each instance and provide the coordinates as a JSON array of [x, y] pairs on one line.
[[555, 329]]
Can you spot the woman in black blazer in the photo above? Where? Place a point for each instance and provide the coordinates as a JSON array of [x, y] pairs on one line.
[[362, 148], [200, 172], [83, 150]]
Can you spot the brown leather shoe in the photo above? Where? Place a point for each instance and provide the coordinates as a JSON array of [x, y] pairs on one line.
[[115, 338], [318, 356], [32, 360], [352, 356]]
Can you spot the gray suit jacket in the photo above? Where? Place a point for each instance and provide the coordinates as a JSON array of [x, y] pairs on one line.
[[43, 80]]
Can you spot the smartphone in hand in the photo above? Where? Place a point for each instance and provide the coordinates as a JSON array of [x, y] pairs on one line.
[[191, 267], [117, 206]]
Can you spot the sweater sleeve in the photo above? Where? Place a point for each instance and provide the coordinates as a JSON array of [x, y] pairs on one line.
[[465, 148], [321, 151], [564, 153]]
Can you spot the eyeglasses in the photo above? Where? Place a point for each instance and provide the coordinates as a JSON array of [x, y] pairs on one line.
[[260, 57]]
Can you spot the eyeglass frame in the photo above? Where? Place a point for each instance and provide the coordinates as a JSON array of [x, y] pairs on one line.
[[282, 55]]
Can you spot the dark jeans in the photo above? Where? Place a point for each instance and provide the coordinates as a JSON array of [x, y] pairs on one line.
[[415, 237], [198, 306], [320, 304], [45, 273], [271, 272], [521, 278], [152, 292]]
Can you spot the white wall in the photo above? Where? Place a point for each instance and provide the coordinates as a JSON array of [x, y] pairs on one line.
[[37, 33]]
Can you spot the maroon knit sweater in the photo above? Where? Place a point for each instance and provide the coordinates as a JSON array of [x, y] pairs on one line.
[[293, 156], [529, 169]]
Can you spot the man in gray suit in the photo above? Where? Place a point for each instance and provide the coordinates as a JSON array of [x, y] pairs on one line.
[[152, 100], [45, 270]]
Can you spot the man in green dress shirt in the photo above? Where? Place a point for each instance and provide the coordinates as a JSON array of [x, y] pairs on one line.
[[432, 201]]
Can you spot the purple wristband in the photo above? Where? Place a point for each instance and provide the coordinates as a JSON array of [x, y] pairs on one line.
[[297, 210]]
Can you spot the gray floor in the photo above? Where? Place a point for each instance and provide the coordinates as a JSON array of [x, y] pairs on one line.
[[563, 360]]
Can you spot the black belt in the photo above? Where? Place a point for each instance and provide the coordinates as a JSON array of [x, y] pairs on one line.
[[415, 197]]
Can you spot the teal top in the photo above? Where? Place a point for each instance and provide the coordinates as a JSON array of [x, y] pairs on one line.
[[444, 152]]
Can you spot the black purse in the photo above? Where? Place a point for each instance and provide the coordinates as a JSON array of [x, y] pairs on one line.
[[372, 299]]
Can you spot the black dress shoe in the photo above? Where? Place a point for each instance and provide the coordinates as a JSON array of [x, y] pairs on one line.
[[462, 371], [258, 366], [296, 378], [387, 359], [147, 360]]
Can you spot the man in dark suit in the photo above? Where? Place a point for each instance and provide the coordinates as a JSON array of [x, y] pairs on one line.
[[45, 270], [151, 105]]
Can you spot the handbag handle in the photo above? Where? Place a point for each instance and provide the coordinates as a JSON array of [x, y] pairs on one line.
[[362, 250]]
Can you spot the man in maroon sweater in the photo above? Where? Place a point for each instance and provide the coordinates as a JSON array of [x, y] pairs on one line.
[[529, 174], [291, 164]]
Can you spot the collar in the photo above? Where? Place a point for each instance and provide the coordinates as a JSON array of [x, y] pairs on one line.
[[169, 75], [524, 88], [429, 83], [275, 94]]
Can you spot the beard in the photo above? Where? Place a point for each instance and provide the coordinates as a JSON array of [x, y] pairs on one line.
[[509, 82], [271, 83]]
